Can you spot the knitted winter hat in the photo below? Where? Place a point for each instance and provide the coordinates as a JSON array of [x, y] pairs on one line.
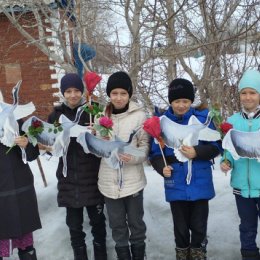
[[250, 79], [71, 80], [119, 79], [180, 88]]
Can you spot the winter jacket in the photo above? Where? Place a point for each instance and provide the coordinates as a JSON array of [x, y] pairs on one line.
[[245, 174], [18, 203], [201, 185], [133, 177], [79, 188]]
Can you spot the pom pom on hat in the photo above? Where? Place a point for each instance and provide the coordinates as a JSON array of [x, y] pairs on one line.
[[181, 88], [250, 79], [119, 79], [71, 80]]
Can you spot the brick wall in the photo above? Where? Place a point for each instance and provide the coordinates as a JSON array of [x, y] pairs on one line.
[[18, 60]]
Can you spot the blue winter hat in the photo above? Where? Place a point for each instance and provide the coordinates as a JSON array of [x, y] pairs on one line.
[[250, 79], [71, 80]]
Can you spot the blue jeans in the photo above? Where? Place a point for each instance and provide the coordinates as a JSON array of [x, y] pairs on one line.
[[248, 211]]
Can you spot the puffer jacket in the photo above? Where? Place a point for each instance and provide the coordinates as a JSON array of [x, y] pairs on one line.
[[201, 185], [133, 177], [79, 188], [245, 174]]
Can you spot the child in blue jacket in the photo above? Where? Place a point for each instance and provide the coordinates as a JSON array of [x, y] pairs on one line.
[[188, 200], [245, 173]]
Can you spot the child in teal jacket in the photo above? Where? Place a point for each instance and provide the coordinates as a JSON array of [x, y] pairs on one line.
[[245, 172]]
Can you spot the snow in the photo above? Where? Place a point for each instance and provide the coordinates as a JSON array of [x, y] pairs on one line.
[[52, 241]]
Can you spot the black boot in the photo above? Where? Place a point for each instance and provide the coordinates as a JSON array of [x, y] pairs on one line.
[[138, 251], [100, 251], [29, 255], [123, 253], [80, 253], [250, 254]]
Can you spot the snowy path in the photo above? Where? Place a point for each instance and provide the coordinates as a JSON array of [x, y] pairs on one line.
[[52, 242]]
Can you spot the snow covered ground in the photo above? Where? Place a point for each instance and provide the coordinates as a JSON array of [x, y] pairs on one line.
[[52, 241]]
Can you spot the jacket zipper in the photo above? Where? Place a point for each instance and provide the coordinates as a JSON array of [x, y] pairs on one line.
[[248, 162]]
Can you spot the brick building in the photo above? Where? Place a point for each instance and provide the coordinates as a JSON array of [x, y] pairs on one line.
[[21, 61]]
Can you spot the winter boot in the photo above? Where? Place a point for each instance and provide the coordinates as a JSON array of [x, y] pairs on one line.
[[80, 253], [30, 255], [182, 253], [250, 254], [100, 251], [123, 253], [198, 254], [138, 251]]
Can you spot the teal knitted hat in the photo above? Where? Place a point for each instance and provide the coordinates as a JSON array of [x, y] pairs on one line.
[[250, 79]]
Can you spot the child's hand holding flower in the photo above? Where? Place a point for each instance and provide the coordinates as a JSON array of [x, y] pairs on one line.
[[21, 141]]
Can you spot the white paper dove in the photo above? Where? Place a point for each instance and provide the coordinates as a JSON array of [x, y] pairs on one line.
[[110, 150], [9, 114], [242, 144], [59, 141], [107, 149], [175, 135]]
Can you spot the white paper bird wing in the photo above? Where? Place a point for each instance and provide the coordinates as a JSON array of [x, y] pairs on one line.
[[242, 144], [47, 137], [10, 130], [193, 120], [22, 111], [96, 146], [62, 140], [76, 130], [4, 106], [172, 133], [132, 150], [82, 141], [65, 122], [208, 134]]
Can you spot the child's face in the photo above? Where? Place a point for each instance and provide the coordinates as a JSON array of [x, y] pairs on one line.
[[72, 96], [119, 97], [181, 106], [249, 99]]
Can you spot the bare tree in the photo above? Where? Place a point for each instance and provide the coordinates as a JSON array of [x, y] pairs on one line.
[[211, 42]]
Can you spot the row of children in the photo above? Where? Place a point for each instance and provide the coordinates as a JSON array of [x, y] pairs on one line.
[[91, 182]]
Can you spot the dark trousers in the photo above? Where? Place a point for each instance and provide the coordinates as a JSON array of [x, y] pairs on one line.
[[126, 219], [74, 220], [248, 211], [190, 222]]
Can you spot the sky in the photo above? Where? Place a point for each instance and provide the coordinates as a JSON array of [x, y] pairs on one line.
[[52, 241]]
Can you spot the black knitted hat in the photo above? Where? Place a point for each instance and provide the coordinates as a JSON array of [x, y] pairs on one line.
[[119, 79], [180, 88], [71, 80]]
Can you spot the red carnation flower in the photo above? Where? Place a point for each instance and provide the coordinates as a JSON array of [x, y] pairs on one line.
[[225, 127], [106, 122], [37, 124], [152, 126]]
